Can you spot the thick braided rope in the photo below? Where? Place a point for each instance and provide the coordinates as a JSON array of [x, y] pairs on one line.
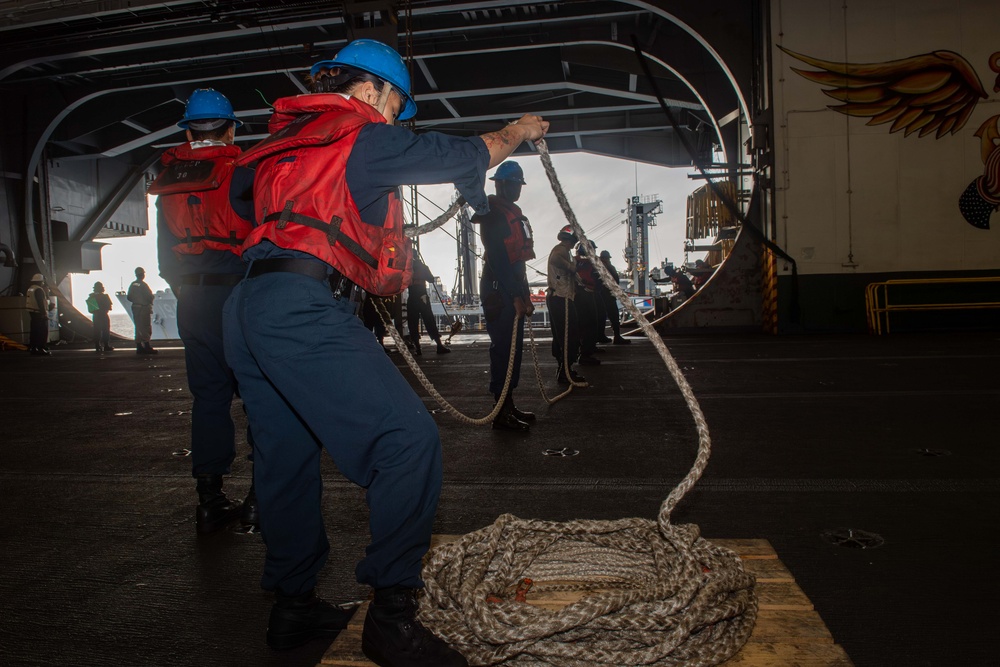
[[429, 386], [656, 593], [566, 372], [438, 221]]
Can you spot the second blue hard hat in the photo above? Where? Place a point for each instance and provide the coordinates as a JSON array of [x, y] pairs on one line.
[[379, 59], [207, 104], [509, 171]]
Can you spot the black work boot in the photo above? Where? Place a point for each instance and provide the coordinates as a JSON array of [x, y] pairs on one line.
[[562, 379], [297, 619], [250, 516], [394, 638], [441, 349], [506, 420], [215, 511], [521, 414]]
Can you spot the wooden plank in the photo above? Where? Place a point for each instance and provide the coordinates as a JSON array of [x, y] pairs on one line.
[[788, 631], [790, 655], [346, 648], [779, 638], [785, 596], [768, 571], [793, 627]]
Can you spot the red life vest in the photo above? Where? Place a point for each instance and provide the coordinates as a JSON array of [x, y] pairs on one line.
[[519, 242], [302, 200], [587, 273], [193, 196]]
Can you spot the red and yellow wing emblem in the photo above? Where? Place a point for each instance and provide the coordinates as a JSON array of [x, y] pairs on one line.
[[932, 92]]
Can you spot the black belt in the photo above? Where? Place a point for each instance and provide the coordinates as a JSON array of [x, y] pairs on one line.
[[226, 279], [340, 285]]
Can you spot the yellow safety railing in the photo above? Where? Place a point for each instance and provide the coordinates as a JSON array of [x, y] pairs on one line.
[[879, 307]]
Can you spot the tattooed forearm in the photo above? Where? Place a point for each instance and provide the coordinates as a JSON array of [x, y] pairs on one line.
[[504, 137]]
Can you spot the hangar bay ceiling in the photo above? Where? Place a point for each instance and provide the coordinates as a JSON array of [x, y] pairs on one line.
[[92, 89]]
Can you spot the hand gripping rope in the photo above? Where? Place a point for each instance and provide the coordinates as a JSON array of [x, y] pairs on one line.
[[654, 593]]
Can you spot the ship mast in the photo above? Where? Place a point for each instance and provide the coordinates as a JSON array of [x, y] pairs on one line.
[[642, 212], [467, 265]]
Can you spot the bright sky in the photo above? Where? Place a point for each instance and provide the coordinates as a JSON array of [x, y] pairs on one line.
[[597, 187]]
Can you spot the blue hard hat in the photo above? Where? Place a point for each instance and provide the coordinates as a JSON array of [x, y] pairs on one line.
[[379, 59], [509, 171], [207, 104]]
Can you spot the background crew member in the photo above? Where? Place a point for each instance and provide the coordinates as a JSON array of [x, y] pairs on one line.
[[202, 217], [503, 287], [99, 305], [586, 305], [683, 288], [418, 307], [610, 301], [141, 298], [38, 310], [313, 377], [559, 299]]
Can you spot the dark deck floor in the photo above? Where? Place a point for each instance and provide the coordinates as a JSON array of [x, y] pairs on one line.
[[898, 435]]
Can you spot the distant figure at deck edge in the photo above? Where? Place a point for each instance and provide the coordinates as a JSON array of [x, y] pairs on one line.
[[141, 298], [38, 309], [99, 305]]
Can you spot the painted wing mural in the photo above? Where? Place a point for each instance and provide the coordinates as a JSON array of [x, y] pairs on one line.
[[927, 93]]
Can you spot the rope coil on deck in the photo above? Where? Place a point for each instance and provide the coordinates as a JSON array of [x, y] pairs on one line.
[[656, 593]]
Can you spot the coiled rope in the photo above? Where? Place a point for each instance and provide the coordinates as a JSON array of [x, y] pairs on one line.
[[656, 593]]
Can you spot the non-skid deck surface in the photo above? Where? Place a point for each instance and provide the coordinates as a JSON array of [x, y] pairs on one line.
[[788, 631]]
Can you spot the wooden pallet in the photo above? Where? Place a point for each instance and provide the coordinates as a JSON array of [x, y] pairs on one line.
[[788, 632]]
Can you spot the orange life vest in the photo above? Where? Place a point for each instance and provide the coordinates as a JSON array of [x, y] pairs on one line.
[[193, 197], [519, 242], [302, 200]]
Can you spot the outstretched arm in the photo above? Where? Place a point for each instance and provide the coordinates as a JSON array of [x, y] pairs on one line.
[[502, 143]]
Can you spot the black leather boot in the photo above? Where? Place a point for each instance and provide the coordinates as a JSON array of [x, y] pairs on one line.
[[562, 379], [215, 511], [250, 516], [506, 420], [441, 348], [394, 638], [521, 414], [298, 619]]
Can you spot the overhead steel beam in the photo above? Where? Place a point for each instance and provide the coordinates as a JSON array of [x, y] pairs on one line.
[[152, 45], [554, 86]]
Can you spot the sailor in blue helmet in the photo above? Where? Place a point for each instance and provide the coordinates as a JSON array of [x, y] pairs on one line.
[[326, 199], [204, 209], [503, 287]]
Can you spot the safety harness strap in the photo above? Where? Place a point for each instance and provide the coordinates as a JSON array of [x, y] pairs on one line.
[[331, 229]]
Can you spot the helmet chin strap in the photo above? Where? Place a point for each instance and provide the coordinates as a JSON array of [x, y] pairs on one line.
[[383, 98]]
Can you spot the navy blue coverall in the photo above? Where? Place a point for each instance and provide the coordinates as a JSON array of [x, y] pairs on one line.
[[315, 378], [202, 284]]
